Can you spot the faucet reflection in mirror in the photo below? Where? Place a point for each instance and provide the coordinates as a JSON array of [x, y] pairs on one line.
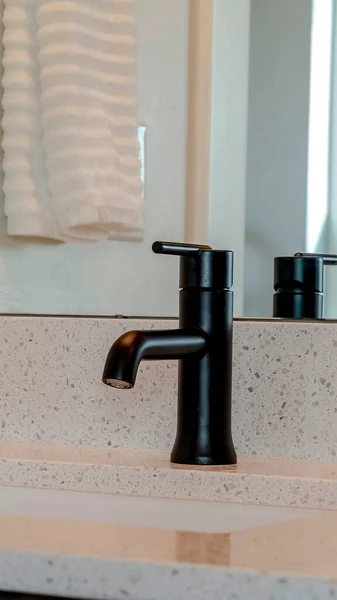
[[203, 346], [299, 285]]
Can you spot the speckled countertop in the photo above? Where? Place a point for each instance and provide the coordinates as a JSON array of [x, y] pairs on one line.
[[287, 560], [302, 484], [284, 388], [290, 560], [284, 408]]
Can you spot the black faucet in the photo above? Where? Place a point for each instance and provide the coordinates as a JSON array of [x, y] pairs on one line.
[[203, 345]]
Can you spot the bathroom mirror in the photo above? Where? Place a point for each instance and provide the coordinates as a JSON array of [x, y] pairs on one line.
[[236, 130]]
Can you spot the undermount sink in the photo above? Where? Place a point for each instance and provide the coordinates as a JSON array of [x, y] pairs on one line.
[[157, 513]]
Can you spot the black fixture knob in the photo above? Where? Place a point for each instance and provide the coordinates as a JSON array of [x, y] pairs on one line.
[[200, 266]]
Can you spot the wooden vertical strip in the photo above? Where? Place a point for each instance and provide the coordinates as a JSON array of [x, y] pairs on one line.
[[199, 121]]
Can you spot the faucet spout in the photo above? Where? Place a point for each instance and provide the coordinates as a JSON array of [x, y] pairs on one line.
[[131, 348]]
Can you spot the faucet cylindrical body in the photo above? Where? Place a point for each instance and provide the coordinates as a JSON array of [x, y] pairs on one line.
[[204, 433]]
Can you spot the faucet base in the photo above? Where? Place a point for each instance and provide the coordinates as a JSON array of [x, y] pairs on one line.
[[225, 458]]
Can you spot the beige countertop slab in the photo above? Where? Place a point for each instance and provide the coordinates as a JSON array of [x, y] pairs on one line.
[[291, 561], [253, 480], [284, 387]]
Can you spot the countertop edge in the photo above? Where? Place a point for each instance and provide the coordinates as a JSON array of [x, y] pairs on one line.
[[84, 577]]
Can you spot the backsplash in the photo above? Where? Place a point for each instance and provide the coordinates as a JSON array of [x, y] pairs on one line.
[[284, 387]]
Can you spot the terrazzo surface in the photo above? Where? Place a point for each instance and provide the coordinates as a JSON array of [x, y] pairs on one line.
[[289, 560], [284, 387], [147, 473]]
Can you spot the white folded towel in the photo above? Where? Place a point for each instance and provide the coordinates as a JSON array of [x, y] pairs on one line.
[[71, 164]]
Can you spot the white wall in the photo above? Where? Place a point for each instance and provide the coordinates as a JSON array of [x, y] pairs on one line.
[[319, 127], [277, 149], [117, 277]]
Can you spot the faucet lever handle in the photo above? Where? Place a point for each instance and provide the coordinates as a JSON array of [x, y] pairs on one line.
[[178, 249], [328, 259]]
